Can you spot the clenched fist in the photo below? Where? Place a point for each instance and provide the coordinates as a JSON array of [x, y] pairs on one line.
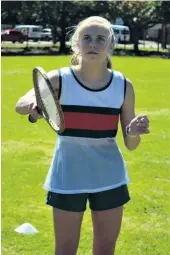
[[138, 126]]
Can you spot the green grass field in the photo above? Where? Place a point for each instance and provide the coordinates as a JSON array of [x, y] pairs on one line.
[[27, 151]]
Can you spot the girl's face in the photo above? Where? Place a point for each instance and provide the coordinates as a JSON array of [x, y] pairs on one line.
[[94, 43]]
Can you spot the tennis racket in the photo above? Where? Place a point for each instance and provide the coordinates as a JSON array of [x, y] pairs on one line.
[[47, 101]]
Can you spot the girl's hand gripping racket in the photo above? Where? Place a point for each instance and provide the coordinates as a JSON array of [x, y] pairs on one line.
[[47, 101]]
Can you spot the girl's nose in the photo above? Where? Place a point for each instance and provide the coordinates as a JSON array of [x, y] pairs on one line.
[[92, 45]]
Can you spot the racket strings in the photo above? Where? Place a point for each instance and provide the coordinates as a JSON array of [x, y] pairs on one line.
[[49, 104]]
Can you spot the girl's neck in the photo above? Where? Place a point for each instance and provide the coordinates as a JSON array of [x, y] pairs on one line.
[[93, 77], [92, 72]]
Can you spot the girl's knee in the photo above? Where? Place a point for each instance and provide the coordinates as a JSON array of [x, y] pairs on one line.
[[66, 248], [65, 251], [106, 248]]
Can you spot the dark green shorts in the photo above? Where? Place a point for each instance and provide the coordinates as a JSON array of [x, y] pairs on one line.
[[98, 201]]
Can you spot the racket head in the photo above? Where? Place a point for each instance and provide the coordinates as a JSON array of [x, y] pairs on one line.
[[47, 100]]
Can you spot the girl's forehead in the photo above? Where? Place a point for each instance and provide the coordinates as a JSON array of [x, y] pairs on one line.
[[94, 29]]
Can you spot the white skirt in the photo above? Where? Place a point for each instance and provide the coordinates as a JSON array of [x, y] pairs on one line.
[[86, 165]]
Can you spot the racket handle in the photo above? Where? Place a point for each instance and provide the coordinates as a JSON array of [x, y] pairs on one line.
[[31, 119]]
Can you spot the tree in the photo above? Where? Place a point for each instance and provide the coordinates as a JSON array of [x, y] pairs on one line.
[[138, 16], [163, 13], [61, 15], [9, 12], [58, 15], [17, 12]]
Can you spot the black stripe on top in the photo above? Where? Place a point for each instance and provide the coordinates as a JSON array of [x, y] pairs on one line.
[[94, 90], [125, 85], [60, 83], [90, 109], [88, 133]]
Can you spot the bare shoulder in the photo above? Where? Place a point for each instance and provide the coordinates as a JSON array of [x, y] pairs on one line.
[[129, 85], [53, 75], [130, 94], [128, 106]]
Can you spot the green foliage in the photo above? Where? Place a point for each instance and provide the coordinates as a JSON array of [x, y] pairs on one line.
[[164, 12], [145, 13], [70, 12], [9, 11]]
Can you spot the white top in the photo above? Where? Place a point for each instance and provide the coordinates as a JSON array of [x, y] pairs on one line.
[[87, 157]]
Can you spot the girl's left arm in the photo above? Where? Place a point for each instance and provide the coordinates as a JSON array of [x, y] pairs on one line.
[[132, 126]]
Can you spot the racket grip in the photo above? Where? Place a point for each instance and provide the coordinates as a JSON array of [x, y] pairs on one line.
[[31, 119]]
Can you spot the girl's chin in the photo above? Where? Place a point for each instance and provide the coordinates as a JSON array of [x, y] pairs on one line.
[[90, 57]]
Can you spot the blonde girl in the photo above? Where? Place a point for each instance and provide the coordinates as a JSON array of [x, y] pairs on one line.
[[87, 163]]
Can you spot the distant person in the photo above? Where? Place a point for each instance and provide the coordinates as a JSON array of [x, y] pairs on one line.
[[87, 162]]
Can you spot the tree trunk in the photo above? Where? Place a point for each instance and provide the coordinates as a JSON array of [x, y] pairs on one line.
[[62, 41], [135, 38], [54, 33], [163, 36], [136, 46]]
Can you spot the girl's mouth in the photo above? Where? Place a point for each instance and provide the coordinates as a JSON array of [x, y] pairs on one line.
[[92, 52]]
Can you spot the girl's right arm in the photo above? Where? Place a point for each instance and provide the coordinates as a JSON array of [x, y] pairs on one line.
[[27, 103]]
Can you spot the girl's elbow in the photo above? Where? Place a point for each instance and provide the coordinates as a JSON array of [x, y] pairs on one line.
[[19, 109], [131, 148]]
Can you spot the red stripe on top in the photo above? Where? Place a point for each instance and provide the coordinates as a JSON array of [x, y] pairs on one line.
[[91, 121]]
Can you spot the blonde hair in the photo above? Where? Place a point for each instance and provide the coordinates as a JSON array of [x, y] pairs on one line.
[[75, 60]]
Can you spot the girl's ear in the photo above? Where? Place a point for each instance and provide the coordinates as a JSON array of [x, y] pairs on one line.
[[113, 45], [78, 46], [111, 48]]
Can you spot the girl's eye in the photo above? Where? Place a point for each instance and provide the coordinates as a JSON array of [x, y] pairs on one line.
[[86, 38], [101, 39]]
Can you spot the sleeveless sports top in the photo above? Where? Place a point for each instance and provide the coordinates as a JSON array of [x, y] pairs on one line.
[[87, 158]]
